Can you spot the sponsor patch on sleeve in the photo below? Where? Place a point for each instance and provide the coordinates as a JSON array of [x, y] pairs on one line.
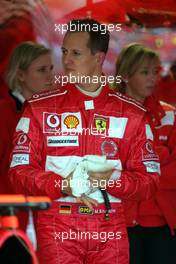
[[152, 166], [19, 159], [148, 152], [149, 134], [22, 144], [168, 119], [23, 125]]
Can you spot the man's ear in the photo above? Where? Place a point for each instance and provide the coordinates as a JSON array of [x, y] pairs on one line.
[[100, 57], [20, 75]]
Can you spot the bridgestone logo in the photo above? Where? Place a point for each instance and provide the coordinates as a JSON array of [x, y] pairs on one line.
[[61, 141]]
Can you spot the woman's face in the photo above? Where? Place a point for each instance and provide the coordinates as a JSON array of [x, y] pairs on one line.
[[38, 77], [142, 83]]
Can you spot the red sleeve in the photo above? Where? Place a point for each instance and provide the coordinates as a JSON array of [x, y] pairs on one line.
[[27, 174], [168, 169], [168, 178], [139, 177]]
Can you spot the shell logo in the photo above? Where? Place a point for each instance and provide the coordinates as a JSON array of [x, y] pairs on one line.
[[71, 121]]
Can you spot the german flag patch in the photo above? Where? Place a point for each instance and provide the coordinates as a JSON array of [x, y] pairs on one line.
[[64, 209]]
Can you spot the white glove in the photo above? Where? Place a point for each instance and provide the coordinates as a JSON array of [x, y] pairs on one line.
[[80, 183], [91, 163]]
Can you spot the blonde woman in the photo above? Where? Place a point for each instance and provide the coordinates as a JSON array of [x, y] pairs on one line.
[[152, 223], [30, 70]]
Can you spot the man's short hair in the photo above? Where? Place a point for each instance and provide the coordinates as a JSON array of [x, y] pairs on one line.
[[98, 33]]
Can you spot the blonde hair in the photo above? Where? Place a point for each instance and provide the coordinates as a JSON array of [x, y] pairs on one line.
[[130, 59], [21, 58]]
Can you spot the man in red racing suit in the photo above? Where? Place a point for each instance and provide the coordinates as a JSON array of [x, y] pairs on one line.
[[58, 128]]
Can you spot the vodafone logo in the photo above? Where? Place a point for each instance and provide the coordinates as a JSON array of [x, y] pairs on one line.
[[53, 121], [148, 152], [22, 139], [22, 144], [149, 147]]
